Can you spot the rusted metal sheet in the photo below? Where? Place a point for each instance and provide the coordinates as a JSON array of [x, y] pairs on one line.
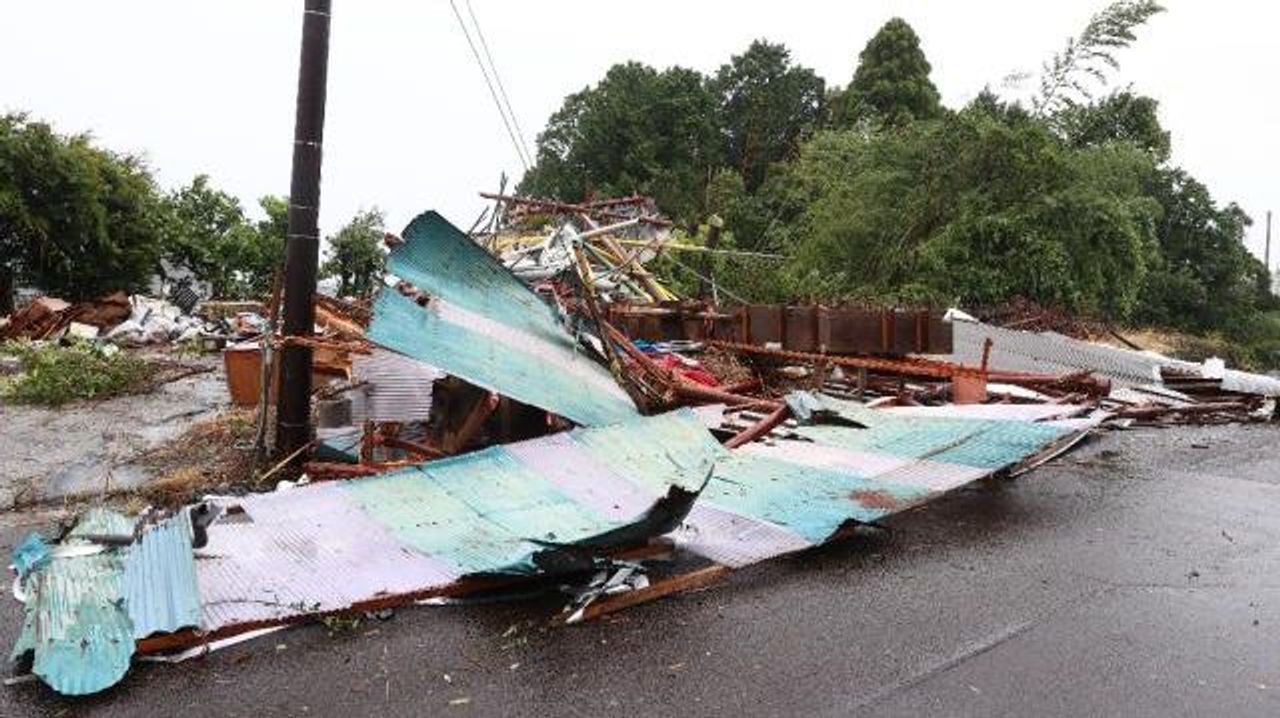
[[801, 328], [850, 331], [764, 324]]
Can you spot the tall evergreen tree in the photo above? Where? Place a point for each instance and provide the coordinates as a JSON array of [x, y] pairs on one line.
[[891, 84], [767, 106]]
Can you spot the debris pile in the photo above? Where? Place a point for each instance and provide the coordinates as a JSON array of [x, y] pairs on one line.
[[120, 319], [528, 409]]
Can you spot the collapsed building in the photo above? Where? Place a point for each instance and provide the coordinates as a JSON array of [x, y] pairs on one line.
[[532, 406]]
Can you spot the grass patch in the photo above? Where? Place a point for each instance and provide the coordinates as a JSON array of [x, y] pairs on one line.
[[53, 375]]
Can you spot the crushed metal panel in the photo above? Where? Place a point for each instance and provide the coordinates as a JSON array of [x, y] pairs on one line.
[[574, 470], [77, 625], [735, 540], [671, 449], [483, 325], [984, 444], [812, 503], [1014, 350], [507, 510], [81, 633], [160, 578]]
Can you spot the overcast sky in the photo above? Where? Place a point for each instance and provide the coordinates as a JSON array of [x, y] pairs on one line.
[[208, 87]]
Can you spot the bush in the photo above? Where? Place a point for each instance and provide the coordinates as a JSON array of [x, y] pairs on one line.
[[53, 375]]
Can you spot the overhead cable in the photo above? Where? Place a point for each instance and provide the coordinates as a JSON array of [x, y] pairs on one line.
[[492, 92]]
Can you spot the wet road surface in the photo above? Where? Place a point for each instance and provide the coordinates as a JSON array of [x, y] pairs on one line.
[[1137, 576]]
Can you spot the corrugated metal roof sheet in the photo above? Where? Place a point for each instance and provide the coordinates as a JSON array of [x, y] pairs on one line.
[[81, 633], [308, 549], [396, 388], [537, 504], [160, 578], [1016, 350], [484, 325]]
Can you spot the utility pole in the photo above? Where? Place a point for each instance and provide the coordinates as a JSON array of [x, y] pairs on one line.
[[302, 247]]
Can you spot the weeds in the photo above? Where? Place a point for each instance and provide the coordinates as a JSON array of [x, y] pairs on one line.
[[54, 375]]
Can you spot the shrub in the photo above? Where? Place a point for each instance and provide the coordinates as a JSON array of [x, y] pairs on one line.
[[53, 375]]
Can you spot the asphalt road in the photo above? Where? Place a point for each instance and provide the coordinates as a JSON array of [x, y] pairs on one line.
[[1138, 576]]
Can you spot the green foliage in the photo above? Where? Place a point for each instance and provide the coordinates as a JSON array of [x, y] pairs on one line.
[[977, 208], [209, 234], [892, 85], [75, 220], [1119, 117], [1066, 77], [637, 131], [767, 106], [54, 375], [1206, 277], [356, 256], [264, 255]]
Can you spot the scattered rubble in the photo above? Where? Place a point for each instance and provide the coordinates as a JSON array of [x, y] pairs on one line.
[[528, 406]]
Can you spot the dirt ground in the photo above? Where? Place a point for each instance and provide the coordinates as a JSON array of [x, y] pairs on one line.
[[91, 447]]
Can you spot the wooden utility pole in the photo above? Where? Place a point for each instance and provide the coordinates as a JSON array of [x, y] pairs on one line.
[[302, 247]]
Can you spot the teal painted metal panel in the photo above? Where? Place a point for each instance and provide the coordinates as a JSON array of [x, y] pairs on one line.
[[76, 623], [485, 512], [160, 578], [442, 261], [552, 376], [97, 594], [483, 325], [672, 449], [810, 501], [510, 510], [982, 443]]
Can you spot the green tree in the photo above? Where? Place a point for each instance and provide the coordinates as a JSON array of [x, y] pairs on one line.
[[637, 131], [1119, 117], [262, 249], [206, 234], [209, 233], [356, 256], [767, 106], [75, 220], [891, 84], [1207, 279], [978, 207]]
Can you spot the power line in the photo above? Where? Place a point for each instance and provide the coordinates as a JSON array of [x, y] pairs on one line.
[[484, 45], [492, 93]]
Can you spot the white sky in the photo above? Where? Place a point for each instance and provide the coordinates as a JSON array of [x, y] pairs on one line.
[[209, 87]]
